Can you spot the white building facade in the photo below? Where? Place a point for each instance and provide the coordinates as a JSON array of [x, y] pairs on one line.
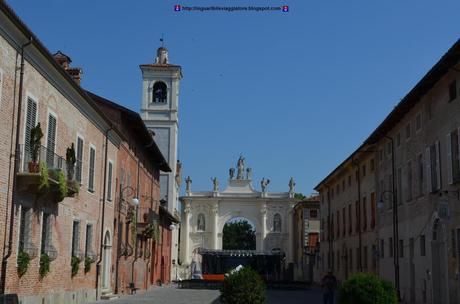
[[205, 214], [159, 110]]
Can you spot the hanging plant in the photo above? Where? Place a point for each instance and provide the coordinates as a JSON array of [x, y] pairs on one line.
[[88, 262], [44, 265], [134, 228], [44, 183], [62, 190], [70, 159], [36, 135], [75, 263], [23, 262]]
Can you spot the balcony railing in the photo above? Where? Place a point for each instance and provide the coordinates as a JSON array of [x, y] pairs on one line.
[[30, 176]]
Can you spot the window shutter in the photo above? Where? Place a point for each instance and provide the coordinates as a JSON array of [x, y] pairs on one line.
[[51, 141], [31, 121], [438, 165], [109, 183], [457, 161], [428, 170], [449, 159], [91, 169], [48, 236], [79, 159]]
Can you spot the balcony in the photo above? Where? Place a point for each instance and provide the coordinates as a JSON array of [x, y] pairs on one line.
[[48, 175], [147, 227]]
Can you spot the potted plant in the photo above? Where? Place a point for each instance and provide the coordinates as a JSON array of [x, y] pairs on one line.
[[70, 159], [36, 135]]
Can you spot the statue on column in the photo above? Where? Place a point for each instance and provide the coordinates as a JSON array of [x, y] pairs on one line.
[[249, 173], [188, 182], [215, 184], [264, 183], [240, 166], [291, 185], [231, 172]]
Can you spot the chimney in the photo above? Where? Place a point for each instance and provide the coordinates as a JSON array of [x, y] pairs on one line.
[[65, 61]]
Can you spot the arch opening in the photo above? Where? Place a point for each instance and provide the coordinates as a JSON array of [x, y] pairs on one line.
[[159, 92], [239, 234]]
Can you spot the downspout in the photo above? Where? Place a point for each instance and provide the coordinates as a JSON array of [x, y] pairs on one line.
[[117, 266], [17, 152], [151, 243], [137, 213], [98, 264]]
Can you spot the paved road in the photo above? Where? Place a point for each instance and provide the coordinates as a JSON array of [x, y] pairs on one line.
[[172, 295]]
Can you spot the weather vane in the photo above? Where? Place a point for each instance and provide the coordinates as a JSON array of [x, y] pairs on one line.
[[162, 40]]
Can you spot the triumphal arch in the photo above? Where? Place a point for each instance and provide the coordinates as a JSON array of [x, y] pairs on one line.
[[205, 213]]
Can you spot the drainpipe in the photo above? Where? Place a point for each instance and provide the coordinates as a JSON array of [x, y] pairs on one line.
[[117, 266], [17, 152], [98, 264], [151, 243]]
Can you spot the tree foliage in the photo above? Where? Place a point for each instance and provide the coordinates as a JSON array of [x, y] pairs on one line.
[[243, 287], [367, 289], [299, 196], [239, 235]]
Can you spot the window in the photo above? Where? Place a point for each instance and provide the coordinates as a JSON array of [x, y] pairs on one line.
[[398, 139], [25, 228], [357, 216], [408, 131], [453, 159], [365, 257], [358, 258], [92, 159], [51, 141], [338, 189], [332, 226], [338, 223], [344, 226], [373, 210], [31, 122], [401, 248], [409, 181], [390, 247], [349, 180], [452, 90], [420, 176], [89, 240], [381, 189], [343, 185], [418, 122], [332, 193], [338, 259], [454, 245], [422, 245], [399, 185], [350, 224], [382, 248], [79, 157], [381, 156], [76, 238], [46, 233], [351, 259], [364, 170], [364, 213], [201, 222], [313, 213], [109, 182], [159, 92], [372, 165], [388, 147], [434, 174]]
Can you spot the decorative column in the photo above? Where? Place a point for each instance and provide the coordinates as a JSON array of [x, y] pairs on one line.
[[263, 213], [186, 239], [215, 214]]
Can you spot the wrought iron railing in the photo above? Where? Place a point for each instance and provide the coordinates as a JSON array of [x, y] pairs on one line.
[[52, 161]]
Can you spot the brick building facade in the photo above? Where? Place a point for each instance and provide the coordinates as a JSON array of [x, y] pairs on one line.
[[61, 206]]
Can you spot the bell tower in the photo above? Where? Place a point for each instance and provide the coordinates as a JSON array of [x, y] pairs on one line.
[[159, 110]]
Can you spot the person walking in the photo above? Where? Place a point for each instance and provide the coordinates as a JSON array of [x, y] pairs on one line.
[[329, 284]]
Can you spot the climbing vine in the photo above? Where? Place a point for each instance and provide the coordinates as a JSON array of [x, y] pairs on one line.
[[23, 262], [44, 265]]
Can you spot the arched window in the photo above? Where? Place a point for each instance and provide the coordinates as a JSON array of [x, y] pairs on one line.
[[160, 92], [277, 222], [201, 224]]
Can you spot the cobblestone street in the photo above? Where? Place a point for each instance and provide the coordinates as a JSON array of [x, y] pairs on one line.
[[172, 295]]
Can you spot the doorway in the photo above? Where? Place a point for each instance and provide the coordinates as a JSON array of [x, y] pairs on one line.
[[107, 261]]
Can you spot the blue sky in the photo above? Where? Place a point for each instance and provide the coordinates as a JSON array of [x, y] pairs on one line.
[[294, 92]]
